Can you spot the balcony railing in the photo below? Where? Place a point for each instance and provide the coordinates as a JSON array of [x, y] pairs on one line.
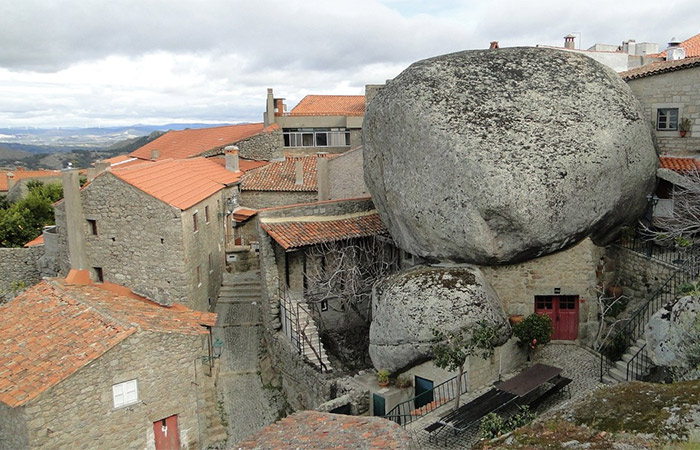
[[316, 138]]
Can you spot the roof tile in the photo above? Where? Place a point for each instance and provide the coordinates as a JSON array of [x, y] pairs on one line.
[[281, 176], [19, 174], [330, 105], [691, 46], [660, 67], [680, 165]]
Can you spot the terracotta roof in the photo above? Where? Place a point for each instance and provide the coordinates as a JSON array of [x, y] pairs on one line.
[[301, 232], [680, 165], [181, 183], [330, 105], [189, 143], [39, 240], [240, 215], [243, 164], [660, 67], [52, 330], [281, 176], [313, 429], [19, 174], [691, 46]]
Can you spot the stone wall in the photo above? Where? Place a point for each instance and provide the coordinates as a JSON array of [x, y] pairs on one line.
[[638, 275], [62, 256], [346, 176], [327, 208], [679, 89], [13, 428], [270, 199], [20, 189], [265, 146], [19, 265], [80, 411], [571, 271]]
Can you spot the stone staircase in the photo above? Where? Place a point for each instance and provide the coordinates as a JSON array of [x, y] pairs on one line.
[[302, 326], [618, 372], [240, 288], [215, 430]]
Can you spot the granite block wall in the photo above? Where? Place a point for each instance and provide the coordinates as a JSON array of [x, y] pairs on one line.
[[19, 265], [270, 199]]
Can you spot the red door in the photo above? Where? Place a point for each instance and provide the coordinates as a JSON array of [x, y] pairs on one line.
[[563, 310], [167, 434]]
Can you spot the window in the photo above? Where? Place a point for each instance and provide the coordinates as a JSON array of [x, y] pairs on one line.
[[93, 226], [126, 393], [199, 277], [206, 214], [194, 221], [318, 137], [99, 275], [667, 119]]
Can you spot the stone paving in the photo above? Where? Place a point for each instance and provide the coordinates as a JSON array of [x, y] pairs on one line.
[[248, 404], [577, 363]]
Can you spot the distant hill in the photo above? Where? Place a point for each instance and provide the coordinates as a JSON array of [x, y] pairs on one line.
[[9, 153]]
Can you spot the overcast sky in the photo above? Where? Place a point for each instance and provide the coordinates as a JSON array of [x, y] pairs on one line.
[[122, 62]]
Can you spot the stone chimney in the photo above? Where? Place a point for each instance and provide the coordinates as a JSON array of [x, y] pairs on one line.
[[322, 176], [269, 116], [11, 181], [569, 42], [299, 170], [74, 219], [493, 45], [279, 107], [100, 166], [155, 154], [231, 155], [674, 51]]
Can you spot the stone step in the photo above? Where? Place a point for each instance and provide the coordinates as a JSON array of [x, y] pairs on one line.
[[617, 374], [607, 379]]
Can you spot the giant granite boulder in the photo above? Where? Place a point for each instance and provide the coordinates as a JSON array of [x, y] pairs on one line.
[[408, 306], [499, 156], [669, 330]]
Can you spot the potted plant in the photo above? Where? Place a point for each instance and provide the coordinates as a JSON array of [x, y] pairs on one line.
[[684, 126], [383, 378], [536, 330], [403, 381]]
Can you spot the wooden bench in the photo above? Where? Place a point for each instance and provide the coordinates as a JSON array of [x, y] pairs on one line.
[[557, 385], [433, 427]]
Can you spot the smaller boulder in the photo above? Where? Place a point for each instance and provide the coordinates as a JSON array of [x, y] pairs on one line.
[[408, 306], [668, 331]]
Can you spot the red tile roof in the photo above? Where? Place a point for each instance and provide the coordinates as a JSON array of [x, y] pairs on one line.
[[189, 143], [330, 105], [301, 232], [181, 183], [243, 164], [313, 429], [691, 46], [660, 67], [240, 215], [19, 174], [281, 176], [680, 165], [51, 330], [123, 161], [39, 240]]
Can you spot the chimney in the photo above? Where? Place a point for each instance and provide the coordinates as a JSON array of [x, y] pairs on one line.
[[269, 116], [494, 45], [231, 155], [674, 51], [299, 170], [74, 219], [155, 154], [569, 42], [279, 107], [370, 91], [322, 176], [100, 166], [10, 180]]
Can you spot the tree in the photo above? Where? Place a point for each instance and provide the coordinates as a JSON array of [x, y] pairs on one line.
[[452, 348], [24, 219]]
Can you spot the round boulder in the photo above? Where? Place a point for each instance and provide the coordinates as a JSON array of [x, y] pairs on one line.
[[408, 306], [499, 156], [668, 333]]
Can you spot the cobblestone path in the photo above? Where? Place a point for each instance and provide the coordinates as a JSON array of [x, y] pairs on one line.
[[249, 406]]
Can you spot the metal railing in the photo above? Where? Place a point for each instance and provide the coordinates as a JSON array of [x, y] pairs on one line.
[[634, 327], [406, 411], [638, 365], [673, 255], [296, 320]]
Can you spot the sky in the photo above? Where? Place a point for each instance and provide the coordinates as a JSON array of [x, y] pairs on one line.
[[122, 62]]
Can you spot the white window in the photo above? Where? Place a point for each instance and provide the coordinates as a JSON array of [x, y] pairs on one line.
[[126, 393], [667, 119]]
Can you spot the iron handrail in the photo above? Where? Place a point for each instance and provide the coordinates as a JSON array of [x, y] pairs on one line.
[[638, 366], [406, 412]]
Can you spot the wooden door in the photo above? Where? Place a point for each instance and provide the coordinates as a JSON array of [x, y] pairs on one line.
[[563, 311], [166, 434]]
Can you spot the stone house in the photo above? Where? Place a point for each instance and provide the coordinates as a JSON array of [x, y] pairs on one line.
[[669, 92], [280, 183], [328, 123], [13, 183], [158, 228], [254, 140], [671, 174], [95, 366]]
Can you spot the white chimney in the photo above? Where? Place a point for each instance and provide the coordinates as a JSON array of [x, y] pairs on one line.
[[299, 170], [231, 155], [155, 154], [674, 52]]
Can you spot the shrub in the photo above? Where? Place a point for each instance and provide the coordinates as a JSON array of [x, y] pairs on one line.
[[383, 376], [534, 330], [492, 425]]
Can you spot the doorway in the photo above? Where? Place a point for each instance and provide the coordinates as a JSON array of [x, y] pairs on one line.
[[424, 392], [166, 433], [378, 405], [563, 310]]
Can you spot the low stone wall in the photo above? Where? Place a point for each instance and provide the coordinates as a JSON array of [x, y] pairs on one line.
[[272, 199], [327, 208], [19, 265], [265, 146]]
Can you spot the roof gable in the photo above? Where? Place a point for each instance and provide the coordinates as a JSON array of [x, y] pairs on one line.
[[181, 183], [281, 176], [53, 329], [330, 105], [660, 67], [195, 142]]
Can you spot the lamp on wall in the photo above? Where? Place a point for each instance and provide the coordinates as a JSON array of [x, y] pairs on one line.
[[230, 204]]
